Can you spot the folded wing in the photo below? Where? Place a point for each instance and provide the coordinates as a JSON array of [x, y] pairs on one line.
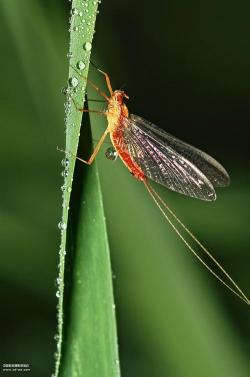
[[162, 163], [211, 168]]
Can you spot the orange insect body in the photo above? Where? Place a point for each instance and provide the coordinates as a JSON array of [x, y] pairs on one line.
[[116, 111]]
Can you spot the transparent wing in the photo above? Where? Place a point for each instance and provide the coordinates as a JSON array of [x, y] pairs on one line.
[[163, 164], [211, 168]]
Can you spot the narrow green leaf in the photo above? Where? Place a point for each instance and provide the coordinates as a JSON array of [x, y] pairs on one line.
[[87, 344]]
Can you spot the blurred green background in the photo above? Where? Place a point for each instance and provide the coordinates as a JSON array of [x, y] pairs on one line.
[[185, 66]]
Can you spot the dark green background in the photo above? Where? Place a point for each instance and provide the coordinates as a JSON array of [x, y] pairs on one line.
[[185, 66]]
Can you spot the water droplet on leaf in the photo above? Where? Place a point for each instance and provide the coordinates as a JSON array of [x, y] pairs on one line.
[[80, 65], [87, 46], [62, 225], [73, 81]]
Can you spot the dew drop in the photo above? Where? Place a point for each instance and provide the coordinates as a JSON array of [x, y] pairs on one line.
[[73, 81], [63, 252], [74, 12], [69, 55], [111, 154], [80, 65], [57, 294], [75, 28], [65, 163], [62, 225], [65, 90], [87, 46], [65, 173]]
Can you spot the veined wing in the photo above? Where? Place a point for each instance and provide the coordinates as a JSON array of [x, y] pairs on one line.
[[211, 168], [161, 163]]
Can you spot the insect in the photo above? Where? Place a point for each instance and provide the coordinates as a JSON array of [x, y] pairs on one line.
[[151, 153]]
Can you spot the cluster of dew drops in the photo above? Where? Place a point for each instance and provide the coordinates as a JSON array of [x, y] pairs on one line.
[[80, 22]]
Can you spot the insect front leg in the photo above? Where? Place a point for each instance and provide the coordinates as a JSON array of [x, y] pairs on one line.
[[108, 82]]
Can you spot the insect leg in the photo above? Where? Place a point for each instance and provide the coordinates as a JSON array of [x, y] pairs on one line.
[[87, 110], [95, 152], [108, 82], [92, 84]]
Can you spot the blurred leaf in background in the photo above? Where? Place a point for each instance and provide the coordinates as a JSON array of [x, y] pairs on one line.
[[34, 45], [185, 67]]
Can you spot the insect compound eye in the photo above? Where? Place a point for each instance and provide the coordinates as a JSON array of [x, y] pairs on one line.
[[111, 154]]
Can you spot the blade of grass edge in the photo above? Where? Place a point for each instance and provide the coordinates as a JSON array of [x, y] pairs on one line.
[[90, 295]]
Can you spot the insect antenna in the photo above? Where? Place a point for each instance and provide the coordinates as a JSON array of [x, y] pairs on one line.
[[164, 208]]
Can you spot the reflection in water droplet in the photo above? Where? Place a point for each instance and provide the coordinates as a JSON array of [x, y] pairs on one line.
[[111, 154]]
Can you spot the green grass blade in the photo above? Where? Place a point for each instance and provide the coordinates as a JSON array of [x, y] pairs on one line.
[[87, 344]]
